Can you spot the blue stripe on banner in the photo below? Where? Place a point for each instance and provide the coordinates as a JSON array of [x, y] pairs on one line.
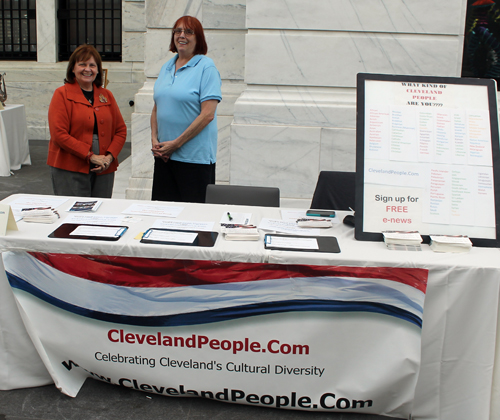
[[222, 314]]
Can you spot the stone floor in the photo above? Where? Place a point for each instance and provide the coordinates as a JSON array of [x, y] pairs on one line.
[[101, 401]]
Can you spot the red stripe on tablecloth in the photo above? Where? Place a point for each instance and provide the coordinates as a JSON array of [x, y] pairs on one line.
[[145, 272]]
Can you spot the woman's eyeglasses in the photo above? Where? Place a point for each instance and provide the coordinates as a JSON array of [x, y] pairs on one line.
[[179, 31]]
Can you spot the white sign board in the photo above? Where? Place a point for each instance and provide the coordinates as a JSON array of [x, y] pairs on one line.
[[427, 149]]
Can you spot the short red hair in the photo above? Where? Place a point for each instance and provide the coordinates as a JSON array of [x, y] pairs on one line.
[[190, 22]]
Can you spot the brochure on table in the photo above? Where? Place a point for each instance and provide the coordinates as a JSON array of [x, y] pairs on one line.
[[34, 201], [427, 157]]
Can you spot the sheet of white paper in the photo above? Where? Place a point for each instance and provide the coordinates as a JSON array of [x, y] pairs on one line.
[[37, 201], [184, 225], [34, 201], [291, 242], [100, 231], [292, 214], [287, 226], [236, 218], [169, 236], [153, 210], [93, 219]]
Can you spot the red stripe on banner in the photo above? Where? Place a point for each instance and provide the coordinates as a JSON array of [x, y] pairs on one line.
[[145, 272]]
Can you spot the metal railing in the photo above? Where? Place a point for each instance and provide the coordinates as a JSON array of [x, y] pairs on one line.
[[18, 30], [93, 22]]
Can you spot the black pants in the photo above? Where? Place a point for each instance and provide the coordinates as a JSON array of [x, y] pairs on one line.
[[181, 181]]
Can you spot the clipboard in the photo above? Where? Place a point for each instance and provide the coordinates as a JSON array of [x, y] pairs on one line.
[[203, 238], [64, 232], [325, 243]]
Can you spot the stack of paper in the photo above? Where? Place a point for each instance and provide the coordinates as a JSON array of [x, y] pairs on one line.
[[235, 232], [40, 215], [407, 241], [314, 223], [402, 238], [448, 243]]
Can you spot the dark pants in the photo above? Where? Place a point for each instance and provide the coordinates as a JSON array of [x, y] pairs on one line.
[[82, 185], [181, 181]]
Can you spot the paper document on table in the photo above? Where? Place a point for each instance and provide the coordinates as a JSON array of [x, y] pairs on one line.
[[291, 242], [34, 201], [91, 219], [99, 231], [153, 210], [292, 214], [236, 218], [184, 225], [287, 226], [170, 236]]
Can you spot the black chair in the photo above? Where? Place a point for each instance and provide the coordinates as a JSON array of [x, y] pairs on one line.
[[335, 191], [243, 195]]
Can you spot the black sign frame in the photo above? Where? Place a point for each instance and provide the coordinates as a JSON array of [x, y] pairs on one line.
[[362, 79]]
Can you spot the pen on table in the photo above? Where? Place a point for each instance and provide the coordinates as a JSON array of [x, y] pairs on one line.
[[229, 216]]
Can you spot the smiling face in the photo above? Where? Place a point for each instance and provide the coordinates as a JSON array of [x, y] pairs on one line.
[[185, 43], [85, 73]]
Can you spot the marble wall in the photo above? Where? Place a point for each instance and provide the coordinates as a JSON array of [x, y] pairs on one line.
[[289, 79], [297, 115], [33, 83]]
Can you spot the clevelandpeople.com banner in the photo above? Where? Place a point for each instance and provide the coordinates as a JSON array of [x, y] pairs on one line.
[[317, 338]]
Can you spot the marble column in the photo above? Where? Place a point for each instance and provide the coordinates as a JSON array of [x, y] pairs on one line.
[[297, 115], [46, 20]]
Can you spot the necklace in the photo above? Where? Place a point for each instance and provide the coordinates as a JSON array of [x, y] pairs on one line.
[[89, 95]]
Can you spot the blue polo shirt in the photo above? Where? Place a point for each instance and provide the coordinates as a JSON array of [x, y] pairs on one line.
[[178, 97]]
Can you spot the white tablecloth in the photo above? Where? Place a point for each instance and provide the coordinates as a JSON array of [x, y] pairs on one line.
[[13, 139], [459, 335]]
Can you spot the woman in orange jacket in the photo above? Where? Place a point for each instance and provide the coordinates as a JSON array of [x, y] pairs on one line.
[[87, 130]]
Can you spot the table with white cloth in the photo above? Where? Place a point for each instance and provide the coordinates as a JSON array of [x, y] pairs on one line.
[[13, 139], [456, 369]]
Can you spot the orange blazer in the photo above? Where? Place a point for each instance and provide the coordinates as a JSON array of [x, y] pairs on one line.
[[71, 125]]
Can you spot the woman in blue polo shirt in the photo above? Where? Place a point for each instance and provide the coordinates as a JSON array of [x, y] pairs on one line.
[[184, 119]]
